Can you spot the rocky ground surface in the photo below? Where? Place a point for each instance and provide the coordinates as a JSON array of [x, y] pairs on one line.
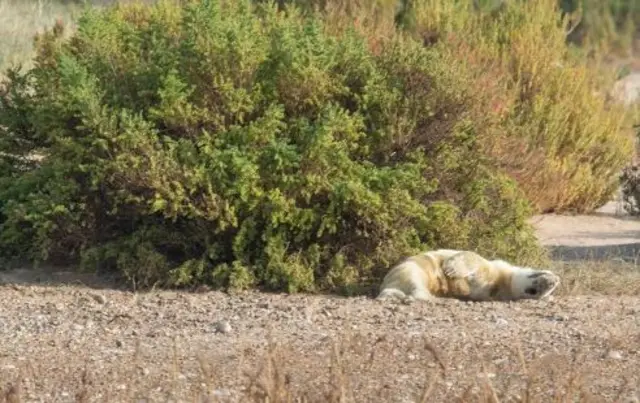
[[86, 341], [63, 343]]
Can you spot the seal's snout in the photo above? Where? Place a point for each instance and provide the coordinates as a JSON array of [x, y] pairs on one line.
[[548, 282], [541, 283]]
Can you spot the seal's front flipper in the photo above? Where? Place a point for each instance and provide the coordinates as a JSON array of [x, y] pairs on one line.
[[463, 265]]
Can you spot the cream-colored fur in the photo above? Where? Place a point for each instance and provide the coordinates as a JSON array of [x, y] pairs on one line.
[[447, 273]]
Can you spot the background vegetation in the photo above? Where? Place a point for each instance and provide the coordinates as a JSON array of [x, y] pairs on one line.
[[609, 26], [301, 148]]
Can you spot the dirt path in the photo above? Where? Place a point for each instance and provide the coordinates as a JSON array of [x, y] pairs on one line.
[[63, 343], [609, 233]]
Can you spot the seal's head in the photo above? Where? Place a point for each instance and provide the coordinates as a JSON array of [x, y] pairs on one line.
[[528, 283]]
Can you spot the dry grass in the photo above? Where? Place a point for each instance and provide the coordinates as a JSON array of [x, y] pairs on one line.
[[611, 277], [565, 382], [557, 378]]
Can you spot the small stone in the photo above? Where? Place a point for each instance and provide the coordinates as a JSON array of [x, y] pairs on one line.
[[145, 371], [77, 326], [221, 393], [203, 289], [502, 322], [99, 298], [614, 355], [222, 327]]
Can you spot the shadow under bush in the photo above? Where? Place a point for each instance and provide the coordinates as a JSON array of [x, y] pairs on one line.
[[239, 146]]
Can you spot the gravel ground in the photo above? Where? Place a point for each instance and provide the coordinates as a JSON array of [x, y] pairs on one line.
[[92, 342], [64, 343]]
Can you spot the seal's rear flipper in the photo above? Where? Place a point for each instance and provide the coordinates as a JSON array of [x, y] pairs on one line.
[[391, 293]]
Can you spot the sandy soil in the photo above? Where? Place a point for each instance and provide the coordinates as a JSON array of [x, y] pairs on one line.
[[85, 342]]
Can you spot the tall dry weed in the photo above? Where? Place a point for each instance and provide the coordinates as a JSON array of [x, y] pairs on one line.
[[548, 123]]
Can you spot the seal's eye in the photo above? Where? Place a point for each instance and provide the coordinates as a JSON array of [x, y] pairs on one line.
[[531, 291]]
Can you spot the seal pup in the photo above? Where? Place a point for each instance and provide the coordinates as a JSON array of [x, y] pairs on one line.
[[465, 275]]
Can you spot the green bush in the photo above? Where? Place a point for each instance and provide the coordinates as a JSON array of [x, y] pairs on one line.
[[546, 120], [217, 142]]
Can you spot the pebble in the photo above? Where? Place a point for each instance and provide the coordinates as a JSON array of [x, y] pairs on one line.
[[499, 361], [222, 327], [221, 393], [614, 355], [501, 322], [99, 298], [546, 332]]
